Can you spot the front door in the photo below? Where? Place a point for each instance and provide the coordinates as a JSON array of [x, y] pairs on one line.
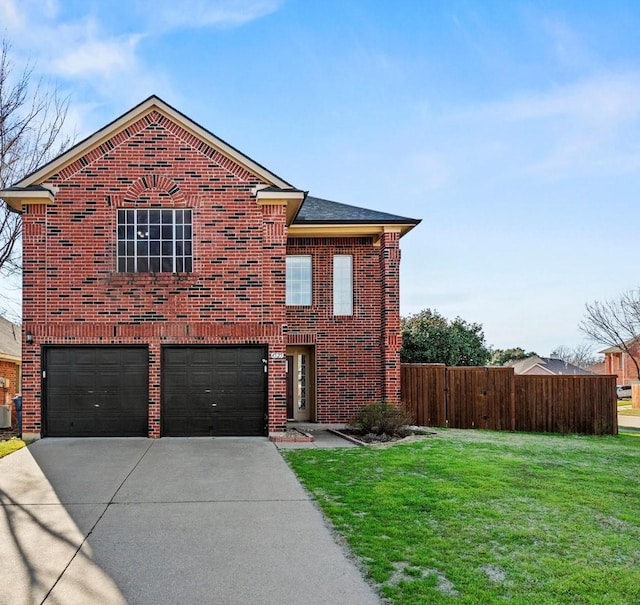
[[300, 383]]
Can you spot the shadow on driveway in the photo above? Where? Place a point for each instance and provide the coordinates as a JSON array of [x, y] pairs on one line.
[[174, 520]]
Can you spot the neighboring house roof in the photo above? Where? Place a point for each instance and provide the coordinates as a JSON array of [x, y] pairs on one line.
[[10, 341], [617, 349], [548, 365], [598, 368]]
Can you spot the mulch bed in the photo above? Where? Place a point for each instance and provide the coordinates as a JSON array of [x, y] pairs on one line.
[[372, 438]]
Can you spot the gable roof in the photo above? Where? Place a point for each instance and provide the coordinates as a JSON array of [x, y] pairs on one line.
[[551, 365], [153, 103], [306, 215], [10, 341]]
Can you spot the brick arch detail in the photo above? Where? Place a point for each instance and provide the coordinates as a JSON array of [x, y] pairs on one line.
[[153, 182]]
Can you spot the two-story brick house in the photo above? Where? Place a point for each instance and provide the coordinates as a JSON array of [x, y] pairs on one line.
[[620, 362], [174, 286]]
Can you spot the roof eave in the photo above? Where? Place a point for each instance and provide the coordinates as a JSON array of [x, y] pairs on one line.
[[16, 197], [349, 229], [291, 198], [610, 350]]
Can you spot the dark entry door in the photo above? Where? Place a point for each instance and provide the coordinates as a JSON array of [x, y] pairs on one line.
[[96, 391], [218, 391]]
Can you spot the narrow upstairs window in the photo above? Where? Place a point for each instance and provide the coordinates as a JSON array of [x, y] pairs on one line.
[[343, 284], [298, 280]]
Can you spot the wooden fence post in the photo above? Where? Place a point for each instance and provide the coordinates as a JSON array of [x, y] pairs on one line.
[[635, 396]]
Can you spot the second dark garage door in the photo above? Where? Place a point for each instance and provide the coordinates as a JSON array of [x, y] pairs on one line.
[[218, 391]]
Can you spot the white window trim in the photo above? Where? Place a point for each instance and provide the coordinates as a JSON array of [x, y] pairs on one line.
[[136, 257], [308, 293], [343, 285]]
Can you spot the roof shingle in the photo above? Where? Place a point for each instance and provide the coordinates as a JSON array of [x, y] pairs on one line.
[[316, 210]]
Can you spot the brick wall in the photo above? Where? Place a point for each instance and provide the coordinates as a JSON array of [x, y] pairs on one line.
[[10, 372], [73, 295], [354, 364], [622, 366]]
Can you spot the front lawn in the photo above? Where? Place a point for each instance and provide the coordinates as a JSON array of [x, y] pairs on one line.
[[629, 412], [482, 517], [9, 446]]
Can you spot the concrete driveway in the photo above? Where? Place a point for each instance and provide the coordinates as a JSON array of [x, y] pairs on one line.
[[137, 521]]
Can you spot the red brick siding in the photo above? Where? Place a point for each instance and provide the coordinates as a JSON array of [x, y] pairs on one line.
[[391, 341], [622, 365], [236, 294], [73, 295], [351, 359], [10, 372]]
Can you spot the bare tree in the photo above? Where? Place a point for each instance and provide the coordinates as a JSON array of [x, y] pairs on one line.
[[582, 355], [31, 133], [616, 323]]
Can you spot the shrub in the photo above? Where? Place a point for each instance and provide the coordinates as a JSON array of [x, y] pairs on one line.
[[380, 418]]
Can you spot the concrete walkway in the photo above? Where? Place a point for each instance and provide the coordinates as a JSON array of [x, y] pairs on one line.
[[116, 521], [631, 422], [322, 439]]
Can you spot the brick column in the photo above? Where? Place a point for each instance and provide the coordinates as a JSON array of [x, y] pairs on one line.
[[391, 340], [34, 286], [274, 312], [155, 379]]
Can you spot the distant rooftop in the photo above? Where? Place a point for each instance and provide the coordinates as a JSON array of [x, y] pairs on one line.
[[552, 365], [10, 339]]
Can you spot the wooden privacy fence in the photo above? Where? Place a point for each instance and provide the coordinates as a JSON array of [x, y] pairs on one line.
[[497, 399]]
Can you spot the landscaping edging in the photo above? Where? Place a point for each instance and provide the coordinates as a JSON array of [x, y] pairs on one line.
[[347, 437], [404, 439]]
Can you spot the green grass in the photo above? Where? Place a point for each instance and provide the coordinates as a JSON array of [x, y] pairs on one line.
[[630, 412], [481, 517], [10, 446]]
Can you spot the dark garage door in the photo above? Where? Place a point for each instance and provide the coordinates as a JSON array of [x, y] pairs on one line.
[[96, 391], [213, 391]]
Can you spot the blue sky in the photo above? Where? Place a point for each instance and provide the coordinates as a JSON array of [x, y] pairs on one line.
[[512, 129]]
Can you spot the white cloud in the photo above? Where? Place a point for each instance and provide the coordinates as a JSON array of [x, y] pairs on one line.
[[168, 14], [81, 55], [95, 56], [89, 54], [607, 99], [587, 126], [20, 15], [10, 15]]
